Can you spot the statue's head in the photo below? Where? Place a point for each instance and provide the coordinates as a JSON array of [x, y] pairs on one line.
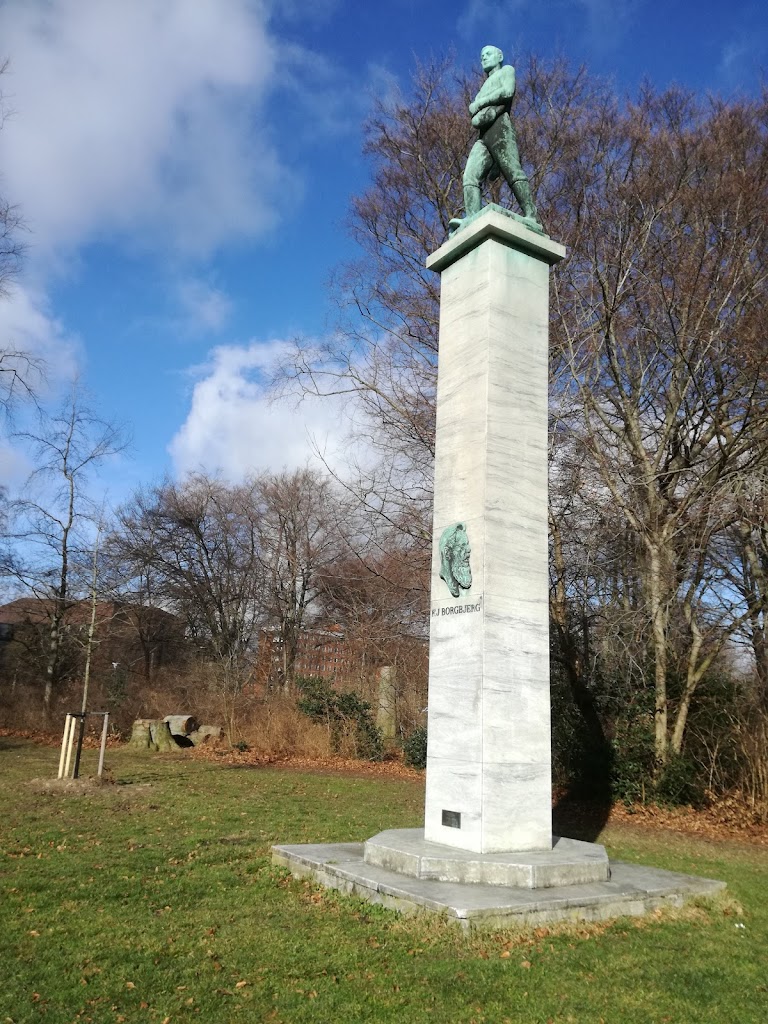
[[454, 558], [491, 57]]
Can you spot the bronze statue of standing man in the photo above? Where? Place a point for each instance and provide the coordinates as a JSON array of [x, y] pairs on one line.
[[495, 151]]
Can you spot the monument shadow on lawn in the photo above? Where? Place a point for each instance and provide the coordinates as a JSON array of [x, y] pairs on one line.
[[579, 815], [583, 806]]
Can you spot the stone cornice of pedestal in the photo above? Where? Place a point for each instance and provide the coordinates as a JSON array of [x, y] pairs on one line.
[[492, 223]]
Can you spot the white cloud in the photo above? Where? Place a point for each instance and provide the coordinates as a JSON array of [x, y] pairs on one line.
[[27, 326], [490, 14], [34, 345], [204, 307], [606, 21], [172, 127], [732, 56], [742, 59], [234, 426], [139, 117]]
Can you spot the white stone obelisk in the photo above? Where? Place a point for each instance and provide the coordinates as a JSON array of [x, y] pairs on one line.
[[487, 841], [489, 750]]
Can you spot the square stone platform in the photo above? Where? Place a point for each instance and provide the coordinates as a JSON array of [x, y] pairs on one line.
[[568, 862], [632, 890]]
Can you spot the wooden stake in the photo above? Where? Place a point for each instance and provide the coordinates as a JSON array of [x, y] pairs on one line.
[[65, 737], [103, 743]]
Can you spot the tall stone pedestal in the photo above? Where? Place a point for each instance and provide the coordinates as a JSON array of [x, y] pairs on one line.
[[488, 757]]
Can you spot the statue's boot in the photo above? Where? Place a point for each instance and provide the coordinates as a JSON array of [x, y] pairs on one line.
[[523, 195], [472, 200], [472, 206]]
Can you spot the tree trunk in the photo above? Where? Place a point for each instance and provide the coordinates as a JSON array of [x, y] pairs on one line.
[[162, 741], [140, 738], [387, 702], [755, 586], [659, 633], [54, 643], [694, 675], [151, 734], [91, 623]]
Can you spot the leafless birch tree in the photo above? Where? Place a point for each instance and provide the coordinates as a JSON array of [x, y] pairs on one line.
[[55, 513]]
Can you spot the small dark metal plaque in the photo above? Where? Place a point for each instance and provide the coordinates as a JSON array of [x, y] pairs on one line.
[[452, 819]]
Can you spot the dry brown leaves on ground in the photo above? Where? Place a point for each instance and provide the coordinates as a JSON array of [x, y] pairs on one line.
[[392, 769], [727, 819], [51, 739]]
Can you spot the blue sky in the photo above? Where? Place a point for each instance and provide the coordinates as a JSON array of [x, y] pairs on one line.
[[185, 166]]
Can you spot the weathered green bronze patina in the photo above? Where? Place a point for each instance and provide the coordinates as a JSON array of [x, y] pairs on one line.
[[495, 151], [454, 558]]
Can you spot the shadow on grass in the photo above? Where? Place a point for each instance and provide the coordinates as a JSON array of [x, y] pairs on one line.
[[13, 743], [573, 817], [582, 810]]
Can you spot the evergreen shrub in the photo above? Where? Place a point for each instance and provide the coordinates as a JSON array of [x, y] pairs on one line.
[[343, 713], [415, 748]]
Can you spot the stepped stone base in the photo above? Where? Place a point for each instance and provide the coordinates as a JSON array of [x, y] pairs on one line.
[[569, 862], [631, 891]]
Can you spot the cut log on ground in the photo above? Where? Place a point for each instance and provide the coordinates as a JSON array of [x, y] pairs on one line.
[[161, 733], [182, 725], [207, 734]]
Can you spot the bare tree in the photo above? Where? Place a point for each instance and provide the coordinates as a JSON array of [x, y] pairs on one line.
[[658, 385], [54, 517], [232, 560], [138, 586], [193, 548], [668, 283], [302, 520]]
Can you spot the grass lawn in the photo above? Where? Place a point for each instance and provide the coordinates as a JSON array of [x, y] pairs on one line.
[[153, 900]]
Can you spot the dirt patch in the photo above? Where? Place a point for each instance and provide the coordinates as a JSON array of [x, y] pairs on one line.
[[84, 786], [89, 785]]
